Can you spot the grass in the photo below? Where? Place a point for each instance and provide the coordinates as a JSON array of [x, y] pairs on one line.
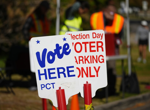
[[27, 100]]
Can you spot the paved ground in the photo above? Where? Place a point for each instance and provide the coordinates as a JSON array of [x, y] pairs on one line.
[[140, 102], [144, 105]]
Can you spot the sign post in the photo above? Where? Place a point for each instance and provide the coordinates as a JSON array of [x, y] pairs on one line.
[[88, 96], [61, 100], [128, 38], [58, 17], [44, 104]]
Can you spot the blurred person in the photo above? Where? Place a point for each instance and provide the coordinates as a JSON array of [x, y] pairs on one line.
[[109, 21], [37, 24], [142, 37], [73, 19], [112, 23]]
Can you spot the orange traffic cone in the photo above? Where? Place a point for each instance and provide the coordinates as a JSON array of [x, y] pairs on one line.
[[74, 103], [53, 108]]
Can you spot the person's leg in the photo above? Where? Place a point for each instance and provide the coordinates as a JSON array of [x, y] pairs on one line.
[[111, 70], [144, 53], [140, 50], [140, 53], [112, 65], [33, 85]]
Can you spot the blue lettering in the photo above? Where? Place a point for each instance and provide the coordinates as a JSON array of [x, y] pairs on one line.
[[50, 60], [69, 71], [41, 62], [65, 48], [50, 73], [57, 51], [61, 72], [42, 86], [53, 85], [39, 74], [47, 87], [51, 55]]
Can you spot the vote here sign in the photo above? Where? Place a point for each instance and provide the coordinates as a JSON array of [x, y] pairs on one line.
[[54, 66], [90, 58]]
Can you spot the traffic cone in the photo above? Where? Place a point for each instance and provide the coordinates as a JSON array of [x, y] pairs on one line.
[[74, 103], [53, 108]]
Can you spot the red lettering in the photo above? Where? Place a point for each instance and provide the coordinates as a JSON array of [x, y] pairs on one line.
[[92, 46], [97, 35], [101, 36], [102, 59], [87, 36], [90, 73], [86, 59], [82, 71], [94, 59], [76, 60], [83, 36], [77, 36], [74, 37], [79, 71], [81, 59], [89, 59], [71, 36], [96, 70], [93, 34], [99, 46], [75, 47], [85, 45], [85, 72]]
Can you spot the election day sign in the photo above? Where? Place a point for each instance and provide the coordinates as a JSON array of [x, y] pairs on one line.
[[54, 66], [90, 58]]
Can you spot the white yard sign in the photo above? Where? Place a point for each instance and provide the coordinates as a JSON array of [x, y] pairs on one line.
[[90, 58], [54, 66]]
